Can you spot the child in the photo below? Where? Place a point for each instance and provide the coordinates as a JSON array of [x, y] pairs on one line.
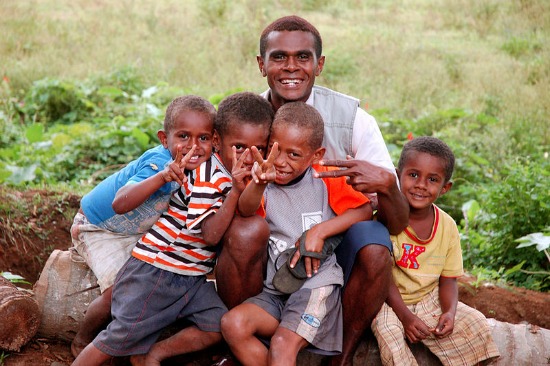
[[165, 280], [422, 305], [299, 209], [120, 209]]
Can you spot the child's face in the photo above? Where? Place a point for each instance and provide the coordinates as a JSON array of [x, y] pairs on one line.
[[295, 152], [243, 136], [423, 179], [190, 128]]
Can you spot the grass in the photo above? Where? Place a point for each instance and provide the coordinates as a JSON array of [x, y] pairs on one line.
[[411, 57]]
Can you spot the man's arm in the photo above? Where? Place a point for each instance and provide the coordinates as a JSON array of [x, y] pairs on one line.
[[393, 208]]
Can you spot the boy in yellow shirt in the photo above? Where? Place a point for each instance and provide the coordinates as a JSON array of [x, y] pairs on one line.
[[423, 305]]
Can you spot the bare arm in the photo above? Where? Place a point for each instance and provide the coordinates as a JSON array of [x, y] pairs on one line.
[[263, 173], [316, 236], [415, 329], [448, 298], [214, 226], [393, 208], [132, 196]]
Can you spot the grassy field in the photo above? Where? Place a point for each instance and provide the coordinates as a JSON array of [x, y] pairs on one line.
[[410, 57]]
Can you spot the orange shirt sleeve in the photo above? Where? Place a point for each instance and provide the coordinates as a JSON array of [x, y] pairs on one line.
[[341, 196]]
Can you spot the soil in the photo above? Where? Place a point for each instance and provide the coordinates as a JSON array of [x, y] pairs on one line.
[[35, 222]]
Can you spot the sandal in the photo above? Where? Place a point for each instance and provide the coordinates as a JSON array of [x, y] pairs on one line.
[[288, 280]]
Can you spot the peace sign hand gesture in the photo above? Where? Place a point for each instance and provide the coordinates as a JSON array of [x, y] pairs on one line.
[[240, 174], [263, 171], [176, 170]]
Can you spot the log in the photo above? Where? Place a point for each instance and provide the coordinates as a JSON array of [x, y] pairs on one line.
[[19, 316], [67, 286], [63, 291]]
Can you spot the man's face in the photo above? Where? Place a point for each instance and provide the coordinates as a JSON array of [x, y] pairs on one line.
[[290, 66]]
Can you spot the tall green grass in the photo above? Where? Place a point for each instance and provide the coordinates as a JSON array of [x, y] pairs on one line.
[[410, 57]]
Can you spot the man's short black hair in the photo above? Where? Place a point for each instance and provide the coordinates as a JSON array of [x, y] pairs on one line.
[[291, 23]]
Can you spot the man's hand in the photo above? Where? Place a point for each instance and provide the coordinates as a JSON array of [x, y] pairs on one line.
[[361, 175], [176, 170], [263, 171]]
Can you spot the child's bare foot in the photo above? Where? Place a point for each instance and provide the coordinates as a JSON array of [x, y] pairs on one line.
[[77, 346], [144, 360]]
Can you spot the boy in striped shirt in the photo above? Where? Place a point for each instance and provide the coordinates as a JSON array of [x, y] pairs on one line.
[[165, 279]]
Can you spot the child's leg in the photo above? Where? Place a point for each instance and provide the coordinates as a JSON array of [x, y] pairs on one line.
[[284, 347], [97, 317], [91, 356], [190, 339], [241, 263], [241, 325], [471, 340], [390, 335]]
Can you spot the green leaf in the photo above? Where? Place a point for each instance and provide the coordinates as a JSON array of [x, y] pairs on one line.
[[471, 209], [141, 137], [35, 132], [21, 174]]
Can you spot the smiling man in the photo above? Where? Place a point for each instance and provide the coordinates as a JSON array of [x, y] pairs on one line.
[[290, 59]]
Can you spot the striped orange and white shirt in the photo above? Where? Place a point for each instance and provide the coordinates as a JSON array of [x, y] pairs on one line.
[[175, 242]]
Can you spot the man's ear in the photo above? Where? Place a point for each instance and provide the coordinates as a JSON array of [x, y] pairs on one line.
[[163, 138], [320, 65], [216, 141], [261, 65], [446, 188], [318, 155]]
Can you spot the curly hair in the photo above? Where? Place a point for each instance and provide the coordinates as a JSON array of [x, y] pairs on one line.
[[429, 145], [304, 116], [243, 107], [187, 103], [291, 23]]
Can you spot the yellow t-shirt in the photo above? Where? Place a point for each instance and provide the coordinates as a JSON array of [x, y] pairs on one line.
[[418, 263]]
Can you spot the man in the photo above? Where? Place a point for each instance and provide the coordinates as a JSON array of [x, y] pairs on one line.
[[291, 58]]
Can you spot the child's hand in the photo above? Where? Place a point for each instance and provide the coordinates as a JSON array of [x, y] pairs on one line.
[[313, 244], [240, 175], [445, 325], [176, 170], [263, 171], [415, 329]]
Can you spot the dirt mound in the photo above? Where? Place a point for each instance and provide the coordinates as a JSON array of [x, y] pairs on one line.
[[35, 222]]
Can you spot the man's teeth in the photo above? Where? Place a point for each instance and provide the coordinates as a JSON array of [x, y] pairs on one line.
[[291, 81]]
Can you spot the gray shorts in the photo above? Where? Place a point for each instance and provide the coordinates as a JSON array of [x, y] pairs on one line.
[[147, 299], [313, 314]]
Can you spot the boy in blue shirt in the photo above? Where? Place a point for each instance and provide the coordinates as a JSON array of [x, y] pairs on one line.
[[120, 209]]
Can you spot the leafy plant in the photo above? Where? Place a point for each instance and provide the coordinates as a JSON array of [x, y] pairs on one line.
[[13, 278]]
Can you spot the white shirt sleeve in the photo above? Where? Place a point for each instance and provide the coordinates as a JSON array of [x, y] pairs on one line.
[[368, 143]]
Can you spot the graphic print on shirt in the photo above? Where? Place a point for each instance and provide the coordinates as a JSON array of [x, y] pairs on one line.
[[410, 253], [310, 219]]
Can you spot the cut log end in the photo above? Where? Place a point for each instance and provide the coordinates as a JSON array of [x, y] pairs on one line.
[[20, 317]]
